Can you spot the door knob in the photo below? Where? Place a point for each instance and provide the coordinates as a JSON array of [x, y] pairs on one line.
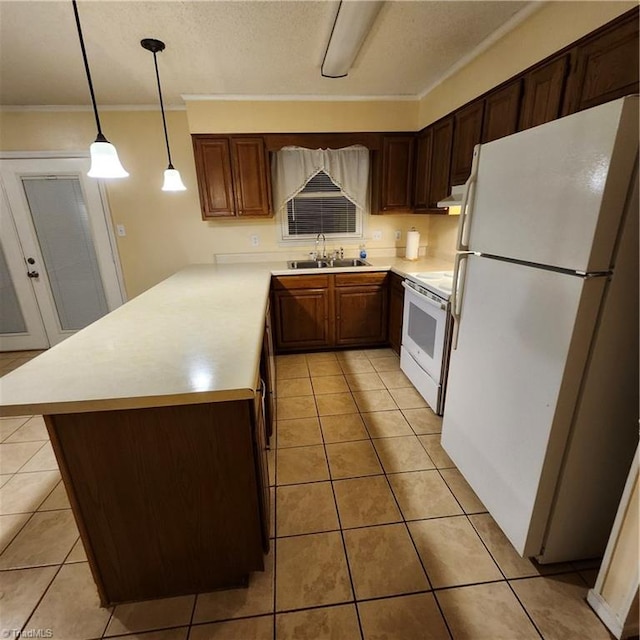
[[33, 274]]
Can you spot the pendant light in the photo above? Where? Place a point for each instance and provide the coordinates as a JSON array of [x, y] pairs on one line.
[[104, 157], [172, 179]]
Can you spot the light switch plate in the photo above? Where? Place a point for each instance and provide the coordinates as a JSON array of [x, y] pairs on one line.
[[120, 230], [398, 234]]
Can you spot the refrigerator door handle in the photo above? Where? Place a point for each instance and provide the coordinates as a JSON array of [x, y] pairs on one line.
[[459, 275], [462, 243]]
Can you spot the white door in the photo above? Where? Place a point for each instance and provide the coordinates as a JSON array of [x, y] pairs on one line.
[[554, 194], [513, 383], [61, 269]]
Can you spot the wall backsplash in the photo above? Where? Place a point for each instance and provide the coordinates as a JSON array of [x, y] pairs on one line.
[[235, 237], [443, 232]]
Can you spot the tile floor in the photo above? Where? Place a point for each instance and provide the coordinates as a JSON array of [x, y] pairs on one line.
[[376, 534]]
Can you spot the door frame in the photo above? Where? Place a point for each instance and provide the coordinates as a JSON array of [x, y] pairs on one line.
[[102, 195]]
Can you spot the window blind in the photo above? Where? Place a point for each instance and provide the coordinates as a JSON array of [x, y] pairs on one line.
[[321, 207]]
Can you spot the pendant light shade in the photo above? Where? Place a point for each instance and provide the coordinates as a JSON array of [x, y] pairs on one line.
[[172, 179], [104, 157], [105, 162]]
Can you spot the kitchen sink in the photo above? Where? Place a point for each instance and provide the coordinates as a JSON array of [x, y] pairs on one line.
[[322, 264], [352, 262]]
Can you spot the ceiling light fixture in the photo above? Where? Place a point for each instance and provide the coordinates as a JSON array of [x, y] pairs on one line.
[[172, 179], [104, 157], [350, 28]]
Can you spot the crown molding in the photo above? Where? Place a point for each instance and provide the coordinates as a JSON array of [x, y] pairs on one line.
[[508, 26], [190, 97]]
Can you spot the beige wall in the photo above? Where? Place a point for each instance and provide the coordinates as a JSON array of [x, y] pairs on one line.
[[165, 231], [553, 27], [615, 594], [229, 116], [623, 568]]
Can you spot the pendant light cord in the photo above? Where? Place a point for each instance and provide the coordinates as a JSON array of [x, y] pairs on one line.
[[100, 137], [164, 121]]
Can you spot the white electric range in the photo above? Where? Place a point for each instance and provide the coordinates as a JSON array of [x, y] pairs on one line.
[[426, 334]]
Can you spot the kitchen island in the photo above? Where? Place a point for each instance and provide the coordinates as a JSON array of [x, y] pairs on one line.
[[155, 414]]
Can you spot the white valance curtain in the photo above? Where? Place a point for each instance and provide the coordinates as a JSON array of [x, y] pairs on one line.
[[293, 167]]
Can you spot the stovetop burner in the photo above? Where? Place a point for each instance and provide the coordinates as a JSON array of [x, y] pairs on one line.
[[439, 282]]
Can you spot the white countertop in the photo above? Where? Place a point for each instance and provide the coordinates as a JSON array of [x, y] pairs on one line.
[[195, 337]]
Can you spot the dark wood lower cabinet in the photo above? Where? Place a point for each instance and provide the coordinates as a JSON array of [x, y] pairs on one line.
[[320, 312], [302, 310], [268, 374], [168, 500], [261, 464], [361, 309], [396, 310]]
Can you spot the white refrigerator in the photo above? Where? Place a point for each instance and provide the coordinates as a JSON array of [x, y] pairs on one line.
[[541, 413]]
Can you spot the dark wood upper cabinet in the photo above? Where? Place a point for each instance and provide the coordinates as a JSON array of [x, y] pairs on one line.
[[543, 92], [397, 173], [605, 67], [441, 161], [422, 172], [213, 169], [501, 109], [467, 132], [233, 176], [251, 173]]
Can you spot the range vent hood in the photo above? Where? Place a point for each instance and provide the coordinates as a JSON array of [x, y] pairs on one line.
[[455, 199]]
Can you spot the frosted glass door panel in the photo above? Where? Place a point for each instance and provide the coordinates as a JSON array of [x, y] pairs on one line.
[[11, 318], [63, 231]]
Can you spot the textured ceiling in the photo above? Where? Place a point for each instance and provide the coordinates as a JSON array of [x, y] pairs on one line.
[[228, 48]]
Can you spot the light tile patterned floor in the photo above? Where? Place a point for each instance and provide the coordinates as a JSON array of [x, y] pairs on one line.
[[376, 535]]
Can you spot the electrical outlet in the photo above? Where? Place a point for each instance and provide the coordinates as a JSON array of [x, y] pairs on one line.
[[377, 235], [255, 241], [398, 234], [120, 230]]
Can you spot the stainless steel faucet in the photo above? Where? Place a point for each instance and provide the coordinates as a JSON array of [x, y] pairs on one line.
[[324, 246]]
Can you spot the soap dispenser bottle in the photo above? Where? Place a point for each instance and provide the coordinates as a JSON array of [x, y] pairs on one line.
[[363, 251]]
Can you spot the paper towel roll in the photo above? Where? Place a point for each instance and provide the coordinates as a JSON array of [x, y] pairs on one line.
[[413, 244]]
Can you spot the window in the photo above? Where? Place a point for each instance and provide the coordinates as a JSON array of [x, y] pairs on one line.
[[321, 191], [321, 207]]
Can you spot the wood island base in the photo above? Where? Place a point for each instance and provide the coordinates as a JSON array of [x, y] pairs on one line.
[[168, 500]]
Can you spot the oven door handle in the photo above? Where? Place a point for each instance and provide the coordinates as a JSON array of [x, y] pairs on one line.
[[433, 303]]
